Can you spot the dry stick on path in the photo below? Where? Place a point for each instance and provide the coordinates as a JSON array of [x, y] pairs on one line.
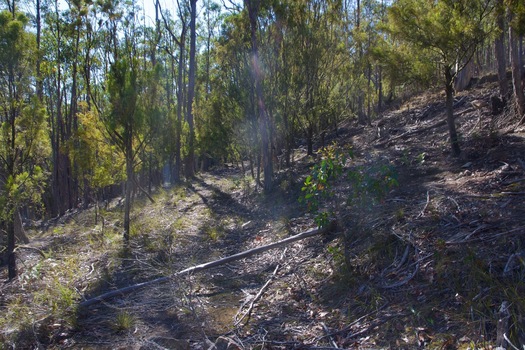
[[126, 290], [259, 294]]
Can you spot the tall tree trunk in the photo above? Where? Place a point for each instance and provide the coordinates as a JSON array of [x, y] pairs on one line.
[[180, 98], [360, 93], [499, 48], [310, 140], [519, 97], [20, 233], [264, 125], [11, 255], [449, 90], [39, 88], [129, 189], [379, 89], [190, 158]]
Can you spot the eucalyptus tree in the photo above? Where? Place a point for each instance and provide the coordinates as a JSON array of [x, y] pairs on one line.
[[449, 32], [253, 7], [235, 90], [190, 157], [516, 17], [499, 49], [120, 98], [314, 56], [180, 41], [124, 121], [61, 84], [23, 142]]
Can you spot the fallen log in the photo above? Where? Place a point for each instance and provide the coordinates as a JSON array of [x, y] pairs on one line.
[[197, 268]]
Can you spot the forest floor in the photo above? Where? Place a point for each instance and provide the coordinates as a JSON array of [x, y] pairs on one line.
[[438, 263]]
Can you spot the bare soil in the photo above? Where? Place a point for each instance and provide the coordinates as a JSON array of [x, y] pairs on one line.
[[430, 266]]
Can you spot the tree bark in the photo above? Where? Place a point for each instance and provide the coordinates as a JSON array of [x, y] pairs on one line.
[[499, 48], [264, 124], [519, 97], [190, 158], [180, 97], [449, 90], [129, 188], [20, 233], [11, 255], [310, 140]]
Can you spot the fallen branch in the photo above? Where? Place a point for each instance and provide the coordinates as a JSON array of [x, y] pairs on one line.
[[330, 338], [257, 297], [409, 277], [209, 265], [356, 321], [425, 207], [143, 190], [39, 251]]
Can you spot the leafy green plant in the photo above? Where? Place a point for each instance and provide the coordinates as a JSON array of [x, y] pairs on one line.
[[318, 186], [368, 185]]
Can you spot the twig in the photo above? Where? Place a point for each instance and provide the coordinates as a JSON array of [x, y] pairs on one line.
[[409, 277], [507, 183], [39, 251], [347, 328], [425, 207], [330, 338], [392, 268], [373, 325], [258, 295], [508, 341], [488, 238]]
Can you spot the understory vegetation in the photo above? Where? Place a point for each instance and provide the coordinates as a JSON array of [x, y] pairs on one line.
[[427, 253], [262, 174]]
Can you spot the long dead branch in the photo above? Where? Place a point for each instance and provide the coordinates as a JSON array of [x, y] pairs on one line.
[[257, 297], [209, 265]]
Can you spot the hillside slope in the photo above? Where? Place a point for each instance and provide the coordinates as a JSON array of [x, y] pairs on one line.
[[434, 264]]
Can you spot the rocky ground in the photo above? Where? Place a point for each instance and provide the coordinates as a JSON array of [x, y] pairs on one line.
[[437, 263]]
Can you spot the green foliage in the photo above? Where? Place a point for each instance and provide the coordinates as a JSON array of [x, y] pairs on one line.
[[97, 160], [517, 7], [368, 185], [123, 90], [448, 31], [215, 133], [318, 186], [24, 142]]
